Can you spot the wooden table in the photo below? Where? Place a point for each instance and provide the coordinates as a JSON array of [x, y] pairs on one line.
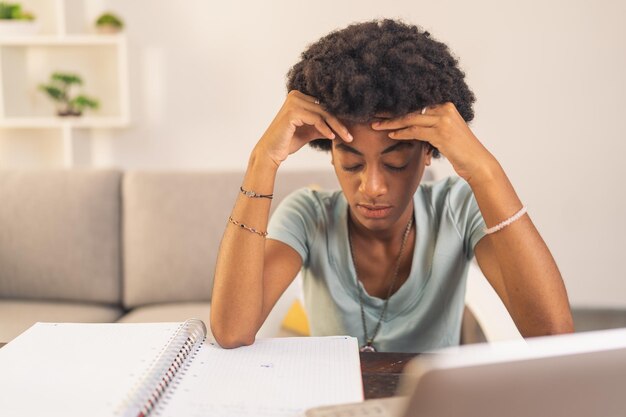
[[381, 372]]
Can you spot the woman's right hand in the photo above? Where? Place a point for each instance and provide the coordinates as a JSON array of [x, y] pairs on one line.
[[300, 120]]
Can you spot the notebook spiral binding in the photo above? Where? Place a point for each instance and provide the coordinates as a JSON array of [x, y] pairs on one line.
[[149, 392]]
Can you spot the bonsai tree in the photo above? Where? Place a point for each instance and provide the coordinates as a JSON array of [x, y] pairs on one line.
[[109, 23], [60, 88], [13, 11]]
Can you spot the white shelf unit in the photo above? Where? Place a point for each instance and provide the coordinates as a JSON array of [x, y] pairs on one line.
[[28, 117]]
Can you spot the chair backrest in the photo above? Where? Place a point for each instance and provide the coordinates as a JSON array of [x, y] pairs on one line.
[[489, 311]]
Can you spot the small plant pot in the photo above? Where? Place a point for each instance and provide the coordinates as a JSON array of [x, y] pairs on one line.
[[65, 113], [108, 29]]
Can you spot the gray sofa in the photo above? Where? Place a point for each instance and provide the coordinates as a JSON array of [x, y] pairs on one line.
[[107, 246]]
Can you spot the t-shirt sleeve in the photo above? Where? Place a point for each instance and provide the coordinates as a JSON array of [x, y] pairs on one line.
[[466, 215], [294, 221]]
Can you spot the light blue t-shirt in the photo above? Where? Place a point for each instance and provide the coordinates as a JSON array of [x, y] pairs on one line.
[[425, 312]]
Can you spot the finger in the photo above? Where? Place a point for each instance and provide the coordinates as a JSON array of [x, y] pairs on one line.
[[332, 121], [416, 118], [324, 129], [315, 119], [338, 127], [424, 134]]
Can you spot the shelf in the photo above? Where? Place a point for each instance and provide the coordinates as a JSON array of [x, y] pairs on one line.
[[57, 122], [26, 65], [61, 40]]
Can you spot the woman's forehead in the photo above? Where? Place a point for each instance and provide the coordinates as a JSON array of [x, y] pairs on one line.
[[378, 116], [369, 141]]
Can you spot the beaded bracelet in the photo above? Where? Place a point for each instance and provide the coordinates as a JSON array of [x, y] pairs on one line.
[[248, 228], [506, 222], [252, 194]]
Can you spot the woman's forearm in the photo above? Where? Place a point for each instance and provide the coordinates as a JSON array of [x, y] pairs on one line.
[[237, 299], [534, 292]]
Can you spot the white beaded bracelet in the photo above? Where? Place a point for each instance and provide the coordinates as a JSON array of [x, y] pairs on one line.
[[506, 222]]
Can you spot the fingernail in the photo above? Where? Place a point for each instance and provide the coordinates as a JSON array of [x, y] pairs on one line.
[[350, 138], [375, 124]]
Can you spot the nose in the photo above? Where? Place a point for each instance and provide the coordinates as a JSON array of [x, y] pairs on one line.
[[373, 183]]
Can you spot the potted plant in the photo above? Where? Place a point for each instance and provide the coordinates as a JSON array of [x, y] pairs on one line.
[[60, 89], [109, 23], [15, 21]]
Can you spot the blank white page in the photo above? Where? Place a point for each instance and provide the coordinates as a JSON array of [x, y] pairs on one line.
[[272, 377], [71, 369]]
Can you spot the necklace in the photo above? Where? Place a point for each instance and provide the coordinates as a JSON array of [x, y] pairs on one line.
[[369, 341]]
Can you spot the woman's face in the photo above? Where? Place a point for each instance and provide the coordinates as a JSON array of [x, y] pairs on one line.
[[378, 175]]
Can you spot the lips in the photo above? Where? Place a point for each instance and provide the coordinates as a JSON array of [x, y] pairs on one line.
[[373, 211]]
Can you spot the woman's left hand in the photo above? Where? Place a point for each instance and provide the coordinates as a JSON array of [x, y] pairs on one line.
[[443, 127]]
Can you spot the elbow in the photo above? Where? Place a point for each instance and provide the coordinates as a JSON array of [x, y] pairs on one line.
[[561, 325], [232, 329], [228, 339], [229, 342], [551, 327]]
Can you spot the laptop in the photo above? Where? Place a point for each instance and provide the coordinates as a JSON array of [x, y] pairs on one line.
[[574, 375]]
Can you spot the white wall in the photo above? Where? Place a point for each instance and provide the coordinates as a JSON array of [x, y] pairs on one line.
[[207, 78]]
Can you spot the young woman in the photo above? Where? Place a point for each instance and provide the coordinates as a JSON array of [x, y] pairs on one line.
[[384, 259]]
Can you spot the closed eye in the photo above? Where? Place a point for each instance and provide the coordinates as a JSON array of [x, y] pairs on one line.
[[352, 168], [395, 168]]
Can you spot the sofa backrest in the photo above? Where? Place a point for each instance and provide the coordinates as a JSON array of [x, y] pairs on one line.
[[60, 235], [173, 225]]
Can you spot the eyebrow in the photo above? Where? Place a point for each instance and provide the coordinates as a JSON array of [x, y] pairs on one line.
[[395, 147]]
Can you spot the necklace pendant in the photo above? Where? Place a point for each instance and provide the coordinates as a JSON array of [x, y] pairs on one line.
[[368, 348]]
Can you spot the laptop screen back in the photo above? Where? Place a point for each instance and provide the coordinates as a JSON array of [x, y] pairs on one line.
[[578, 375]]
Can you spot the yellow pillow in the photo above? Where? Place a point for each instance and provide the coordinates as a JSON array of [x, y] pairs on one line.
[[296, 320]]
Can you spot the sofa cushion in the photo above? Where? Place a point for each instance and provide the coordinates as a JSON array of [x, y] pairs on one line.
[[60, 235], [19, 315], [173, 225], [171, 220], [169, 312]]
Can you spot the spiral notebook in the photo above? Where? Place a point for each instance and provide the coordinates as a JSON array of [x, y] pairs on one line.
[[170, 369]]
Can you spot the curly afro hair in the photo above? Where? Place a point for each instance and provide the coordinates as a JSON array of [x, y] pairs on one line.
[[380, 66]]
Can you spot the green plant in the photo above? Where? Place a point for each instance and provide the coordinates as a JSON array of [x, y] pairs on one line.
[[60, 88], [111, 20], [13, 11]]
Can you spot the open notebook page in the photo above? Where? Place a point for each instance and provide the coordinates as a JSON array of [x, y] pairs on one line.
[[71, 369], [272, 377]]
